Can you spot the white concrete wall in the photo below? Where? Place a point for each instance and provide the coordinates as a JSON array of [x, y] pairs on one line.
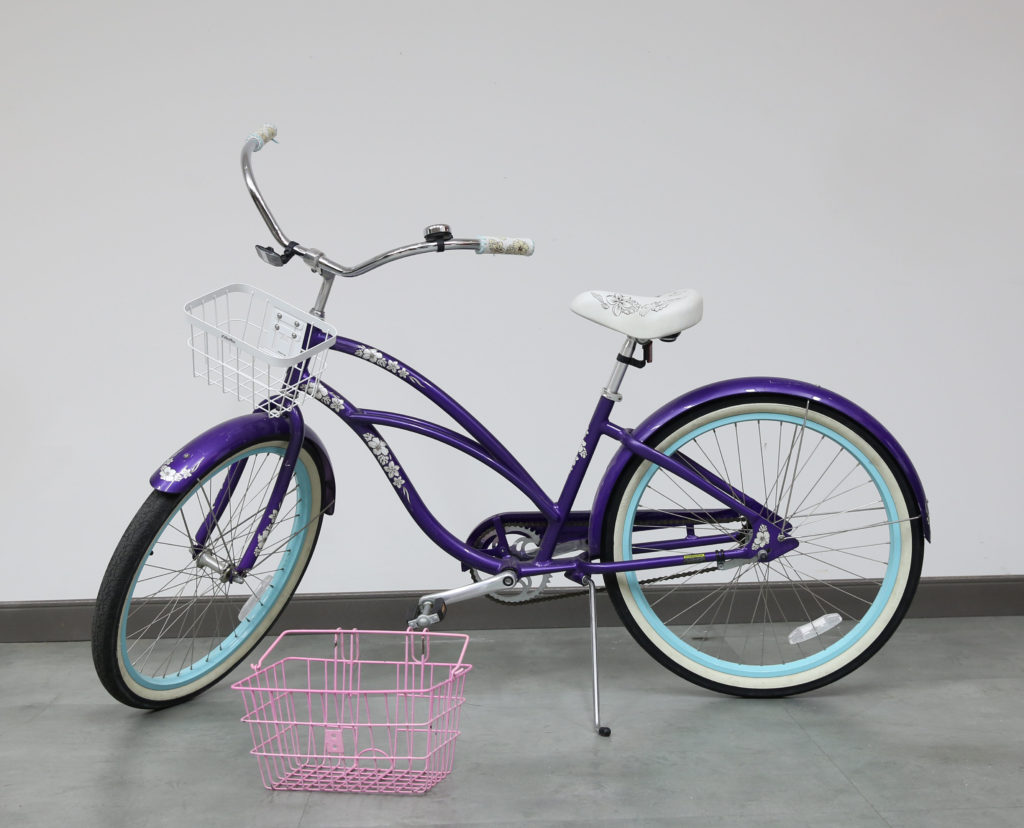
[[842, 181]]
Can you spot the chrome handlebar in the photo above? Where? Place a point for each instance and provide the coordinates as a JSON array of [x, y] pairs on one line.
[[328, 268]]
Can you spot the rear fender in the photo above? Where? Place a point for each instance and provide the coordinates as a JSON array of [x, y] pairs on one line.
[[204, 453], [754, 385]]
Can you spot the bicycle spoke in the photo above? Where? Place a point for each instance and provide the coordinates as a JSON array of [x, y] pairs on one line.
[[183, 618], [814, 510], [717, 526], [796, 463], [814, 485], [739, 455], [747, 617], [855, 529], [796, 592], [815, 556], [720, 473]]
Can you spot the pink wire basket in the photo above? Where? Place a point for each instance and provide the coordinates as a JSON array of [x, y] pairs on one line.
[[379, 715]]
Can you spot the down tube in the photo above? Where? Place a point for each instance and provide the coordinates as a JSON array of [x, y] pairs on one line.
[[414, 504], [449, 406], [363, 423]]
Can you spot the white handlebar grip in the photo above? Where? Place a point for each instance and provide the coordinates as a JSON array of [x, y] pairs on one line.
[[267, 132], [510, 247]]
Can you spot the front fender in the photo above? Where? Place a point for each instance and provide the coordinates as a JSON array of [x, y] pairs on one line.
[[204, 453], [753, 385]]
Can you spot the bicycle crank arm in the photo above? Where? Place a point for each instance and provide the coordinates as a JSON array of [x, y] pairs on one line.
[[431, 609]]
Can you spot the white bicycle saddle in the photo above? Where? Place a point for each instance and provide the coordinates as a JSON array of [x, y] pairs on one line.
[[641, 317]]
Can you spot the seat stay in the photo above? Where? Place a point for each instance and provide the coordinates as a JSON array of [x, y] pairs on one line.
[[703, 478]]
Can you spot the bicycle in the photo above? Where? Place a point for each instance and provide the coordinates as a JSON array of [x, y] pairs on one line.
[[758, 536]]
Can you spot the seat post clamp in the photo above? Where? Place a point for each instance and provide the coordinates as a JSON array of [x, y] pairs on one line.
[[648, 347]]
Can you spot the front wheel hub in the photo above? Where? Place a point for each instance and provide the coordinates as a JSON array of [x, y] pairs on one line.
[[224, 570]]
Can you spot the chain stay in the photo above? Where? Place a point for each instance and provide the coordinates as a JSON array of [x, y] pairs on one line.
[[539, 526], [574, 594]]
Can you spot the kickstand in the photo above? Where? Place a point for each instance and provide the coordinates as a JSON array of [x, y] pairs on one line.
[[600, 728]]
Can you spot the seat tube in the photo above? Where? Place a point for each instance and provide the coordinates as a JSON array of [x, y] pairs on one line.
[[597, 427]]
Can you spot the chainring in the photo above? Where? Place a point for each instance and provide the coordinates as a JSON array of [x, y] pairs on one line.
[[525, 547]]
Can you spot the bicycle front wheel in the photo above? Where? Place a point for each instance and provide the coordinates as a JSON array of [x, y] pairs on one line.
[[167, 623], [779, 627]]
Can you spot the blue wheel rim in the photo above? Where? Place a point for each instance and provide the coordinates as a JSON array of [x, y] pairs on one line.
[[829, 653], [238, 637]]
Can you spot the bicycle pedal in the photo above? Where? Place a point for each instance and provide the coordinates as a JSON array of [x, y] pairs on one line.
[[427, 614]]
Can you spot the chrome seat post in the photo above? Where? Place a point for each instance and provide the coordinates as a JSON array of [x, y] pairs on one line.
[[611, 390]]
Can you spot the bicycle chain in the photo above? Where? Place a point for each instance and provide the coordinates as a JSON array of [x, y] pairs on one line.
[[539, 527], [605, 589]]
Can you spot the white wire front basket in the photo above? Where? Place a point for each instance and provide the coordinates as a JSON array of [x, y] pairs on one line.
[[255, 346]]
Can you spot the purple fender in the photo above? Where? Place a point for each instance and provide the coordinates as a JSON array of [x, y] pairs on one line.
[[202, 454], [751, 385]]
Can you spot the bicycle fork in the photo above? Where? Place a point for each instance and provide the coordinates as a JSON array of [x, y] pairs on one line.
[[206, 557]]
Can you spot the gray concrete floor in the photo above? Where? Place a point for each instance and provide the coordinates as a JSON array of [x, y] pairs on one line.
[[929, 733]]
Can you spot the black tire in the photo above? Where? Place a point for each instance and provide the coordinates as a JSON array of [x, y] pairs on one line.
[[729, 629], [165, 627]]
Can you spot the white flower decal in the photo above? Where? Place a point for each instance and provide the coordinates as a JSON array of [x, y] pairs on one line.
[[392, 365], [762, 538], [377, 446], [171, 475], [383, 454], [321, 394], [262, 539], [621, 305], [372, 355], [581, 453]]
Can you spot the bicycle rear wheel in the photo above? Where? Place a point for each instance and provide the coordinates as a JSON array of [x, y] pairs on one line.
[[167, 625], [805, 619]]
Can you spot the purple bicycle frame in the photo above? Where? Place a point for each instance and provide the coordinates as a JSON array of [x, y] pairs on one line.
[[579, 530], [562, 523]]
